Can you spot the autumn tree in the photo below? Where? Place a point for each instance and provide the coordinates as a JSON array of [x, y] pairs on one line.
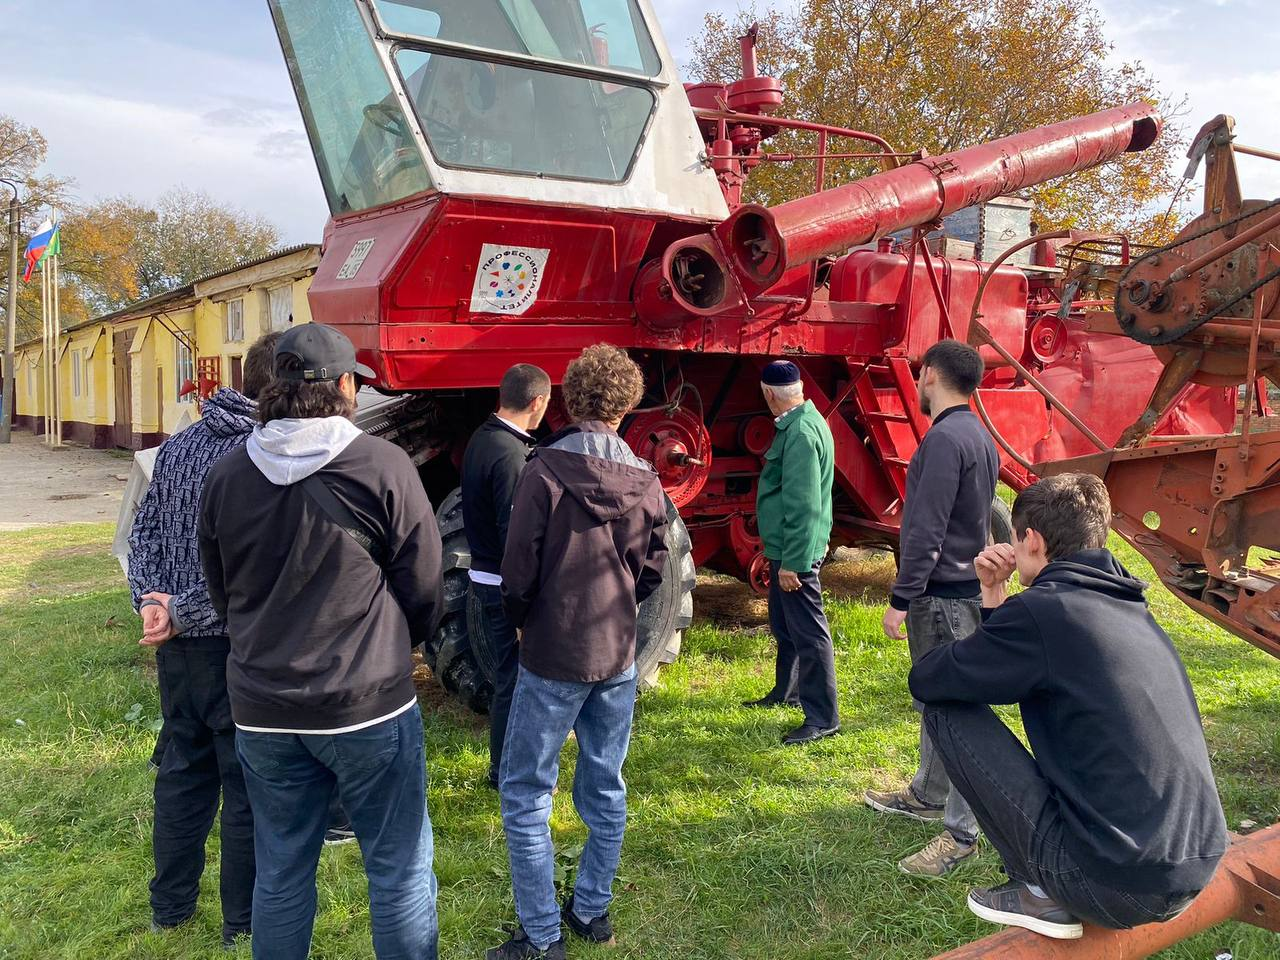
[[946, 74], [120, 250], [22, 154]]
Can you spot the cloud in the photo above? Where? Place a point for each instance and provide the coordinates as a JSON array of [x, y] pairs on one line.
[[284, 145]]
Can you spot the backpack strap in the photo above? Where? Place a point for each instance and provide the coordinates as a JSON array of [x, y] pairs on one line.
[[340, 513]]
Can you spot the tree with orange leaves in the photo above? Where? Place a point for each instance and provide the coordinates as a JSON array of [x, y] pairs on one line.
[[940, 75]]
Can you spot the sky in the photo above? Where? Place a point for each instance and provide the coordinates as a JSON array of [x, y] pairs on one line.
[[138, 96]]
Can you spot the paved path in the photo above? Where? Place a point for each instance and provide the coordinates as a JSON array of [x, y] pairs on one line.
[[40, 486]]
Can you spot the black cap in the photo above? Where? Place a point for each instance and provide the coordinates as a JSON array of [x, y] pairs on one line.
[[317, 353], [780, 373]]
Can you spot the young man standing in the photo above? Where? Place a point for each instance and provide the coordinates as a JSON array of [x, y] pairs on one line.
[[793, 506], [198, 759], [1113, 817], [584, 548], [490, 468], [321, 550], [951, 483]]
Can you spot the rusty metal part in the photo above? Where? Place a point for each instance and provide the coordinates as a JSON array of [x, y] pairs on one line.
[[1245, 888], [1195, 510]]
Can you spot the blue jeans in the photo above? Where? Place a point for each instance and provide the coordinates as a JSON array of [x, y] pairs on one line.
[[378, 772], [542, 714]]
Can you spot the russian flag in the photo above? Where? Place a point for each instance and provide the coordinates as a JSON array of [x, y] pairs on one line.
[[45, 243]]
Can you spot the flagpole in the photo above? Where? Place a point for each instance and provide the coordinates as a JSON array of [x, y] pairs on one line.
[[57, 344], [44, 354]]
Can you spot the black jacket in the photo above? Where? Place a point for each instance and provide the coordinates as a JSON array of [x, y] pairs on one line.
[[947, 513], [1110, 716], [490, 468], [586, 546], [320, 634]]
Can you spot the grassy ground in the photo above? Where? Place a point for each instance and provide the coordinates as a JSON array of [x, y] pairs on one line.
[[736, 847]]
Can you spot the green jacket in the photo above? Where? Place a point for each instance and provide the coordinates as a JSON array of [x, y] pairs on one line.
[[793, 500]]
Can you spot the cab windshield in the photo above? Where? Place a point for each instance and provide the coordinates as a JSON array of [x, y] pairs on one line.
[[485, 115]]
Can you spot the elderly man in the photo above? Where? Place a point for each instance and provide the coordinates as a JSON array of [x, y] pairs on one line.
[[793, 505]]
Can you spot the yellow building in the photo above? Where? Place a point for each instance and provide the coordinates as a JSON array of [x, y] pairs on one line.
[[125, 379]]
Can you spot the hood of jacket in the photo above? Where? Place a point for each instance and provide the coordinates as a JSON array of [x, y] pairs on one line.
[[597, 468], [229, 413], [1096, 570], [290, 450]]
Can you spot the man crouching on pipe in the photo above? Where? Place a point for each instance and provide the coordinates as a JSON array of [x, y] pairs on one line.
[[1113, 817]]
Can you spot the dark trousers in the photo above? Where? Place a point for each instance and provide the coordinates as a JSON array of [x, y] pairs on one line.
[[1016, 809], [485, 604], [198, 764], [806, 668]]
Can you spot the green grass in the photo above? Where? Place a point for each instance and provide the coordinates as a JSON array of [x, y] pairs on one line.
[[736, 847]]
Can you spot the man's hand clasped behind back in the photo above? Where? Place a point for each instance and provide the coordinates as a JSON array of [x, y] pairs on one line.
[[157, 626]]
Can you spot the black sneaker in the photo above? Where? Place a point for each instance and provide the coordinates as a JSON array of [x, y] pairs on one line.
[[232, 938], [520, 947], [598, 930], [336, 836], [808, 733], [1014, 905]]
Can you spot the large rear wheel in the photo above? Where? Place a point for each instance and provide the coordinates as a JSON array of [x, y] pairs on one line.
[[464, 657]]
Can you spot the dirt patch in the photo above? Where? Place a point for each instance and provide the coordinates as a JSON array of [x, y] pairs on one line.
[[728, 602], [65, 485]]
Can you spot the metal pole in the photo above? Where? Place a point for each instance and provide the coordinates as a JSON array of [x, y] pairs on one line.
[[9, 406], [57, 346]]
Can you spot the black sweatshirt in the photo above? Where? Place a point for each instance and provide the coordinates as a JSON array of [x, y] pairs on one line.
[[1110, 716], [490, 468], [947, 514], [320, 634]]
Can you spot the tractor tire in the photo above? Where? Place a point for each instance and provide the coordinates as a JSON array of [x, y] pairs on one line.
[[463, 657], [1001, 522]]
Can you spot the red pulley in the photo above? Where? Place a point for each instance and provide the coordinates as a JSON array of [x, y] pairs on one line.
[[678, 446], [1048, 339]]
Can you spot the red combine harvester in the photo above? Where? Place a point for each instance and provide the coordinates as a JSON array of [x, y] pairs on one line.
[[513, 180]]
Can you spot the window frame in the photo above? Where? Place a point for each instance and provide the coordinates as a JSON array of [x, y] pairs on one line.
[[226, 320], [467, 52], [184, 368], [77, 358]]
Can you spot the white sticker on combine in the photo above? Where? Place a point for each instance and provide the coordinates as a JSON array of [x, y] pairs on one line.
[[507, 278], [355, 259]]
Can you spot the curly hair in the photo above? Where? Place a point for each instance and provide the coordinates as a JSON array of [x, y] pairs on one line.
[[603, 383]]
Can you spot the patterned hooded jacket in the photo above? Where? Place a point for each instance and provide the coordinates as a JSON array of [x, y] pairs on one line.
[[164, 554]]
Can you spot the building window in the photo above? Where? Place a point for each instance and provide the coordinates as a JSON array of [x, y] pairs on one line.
[[76, 386], [235, 320], [184, 369], [280, 301], [31, 380], [88, 373]]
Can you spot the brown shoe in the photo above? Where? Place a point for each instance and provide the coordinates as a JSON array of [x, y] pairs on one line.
[[1014, 905], [902, 802], [938, 857]]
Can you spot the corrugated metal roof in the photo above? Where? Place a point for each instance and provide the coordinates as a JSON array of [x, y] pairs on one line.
[[245, 264], [186, 290]]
